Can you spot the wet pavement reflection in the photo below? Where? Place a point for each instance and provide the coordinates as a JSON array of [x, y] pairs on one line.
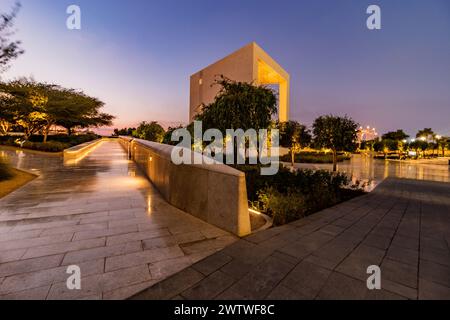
[[101, 213], [374, 171]]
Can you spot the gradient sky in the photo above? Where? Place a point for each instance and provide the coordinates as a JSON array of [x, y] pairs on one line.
[[137, 56]]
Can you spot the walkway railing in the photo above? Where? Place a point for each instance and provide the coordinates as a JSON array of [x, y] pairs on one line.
[[215, 193]]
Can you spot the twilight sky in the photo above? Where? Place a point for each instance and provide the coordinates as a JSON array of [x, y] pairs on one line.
[[137, 56]]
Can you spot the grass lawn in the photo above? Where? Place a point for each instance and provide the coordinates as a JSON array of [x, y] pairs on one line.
[[19, 179]]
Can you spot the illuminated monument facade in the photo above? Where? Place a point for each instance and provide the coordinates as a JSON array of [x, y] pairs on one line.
[[248, 64]]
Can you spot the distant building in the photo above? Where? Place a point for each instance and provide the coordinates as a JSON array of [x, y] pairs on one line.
[[248, 64]]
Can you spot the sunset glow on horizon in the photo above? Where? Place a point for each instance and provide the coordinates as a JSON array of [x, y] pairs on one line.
[[138, 56]]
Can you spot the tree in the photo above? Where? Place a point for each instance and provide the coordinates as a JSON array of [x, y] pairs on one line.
[[426, 134], [398, 135], [239, 105], [9, 49], [81, 111], [168, 135], [294, 136], [124, 131], [38, 106], [335, 133], [443, 142], [23, 102], [150, 131]]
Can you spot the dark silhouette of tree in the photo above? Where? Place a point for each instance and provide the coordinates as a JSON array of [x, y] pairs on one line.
[[294, 136], [9, 49], [335, 133]]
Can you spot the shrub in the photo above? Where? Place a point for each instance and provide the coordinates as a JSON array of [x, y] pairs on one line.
[[283, 208], [72, 140], [288, 196], [314, 157], [50, 146], [5, 171]]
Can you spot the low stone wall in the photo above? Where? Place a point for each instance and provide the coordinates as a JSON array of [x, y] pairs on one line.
[[80, 150], [214, 193]]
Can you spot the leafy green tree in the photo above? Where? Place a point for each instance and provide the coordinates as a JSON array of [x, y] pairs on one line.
[[427, 134], [391, 145], [294, 136], [335, 133], [9, 49], [168, 135], [419, 145], [239, 105], [150, 131], [23, 101], [398, 135], [37, 106], [443, 143], [124, 131]]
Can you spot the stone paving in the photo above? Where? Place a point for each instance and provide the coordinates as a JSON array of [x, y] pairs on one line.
[[403, 227], [101, 214]]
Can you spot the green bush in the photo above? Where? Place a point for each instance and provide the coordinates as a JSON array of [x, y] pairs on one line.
[[288, 196], [56, 143], [283, 208], [50, 146], [314, 157], [72, 140], [5, 171]]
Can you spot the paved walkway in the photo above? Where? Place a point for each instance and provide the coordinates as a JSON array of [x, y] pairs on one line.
[[100, 214], [403, 227]]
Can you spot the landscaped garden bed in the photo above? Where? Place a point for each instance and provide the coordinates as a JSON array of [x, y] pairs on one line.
[[314, 157], [291, 195], [12, 179], [55, 143]]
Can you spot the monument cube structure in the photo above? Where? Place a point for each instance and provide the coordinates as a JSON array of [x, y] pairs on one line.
[[248, 64]]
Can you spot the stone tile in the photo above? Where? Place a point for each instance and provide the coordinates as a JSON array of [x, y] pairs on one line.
[[209, 287], [99, 283], [403, 255], [128, 291], [207, 245], [263, 279], [142, 257], [212, 263], [398, 289], [32, 294], [63, 247], [34, 242], [434, 272], [73, 229], [20, 235], [24, 266], [135, 236], [342, 287], [306, 279], [400, 273], [36, 279], [436, 255], [91, 234], [12, 255], [283, 293], [171, 287], [433, 291], [75, 257], [165, 268]]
